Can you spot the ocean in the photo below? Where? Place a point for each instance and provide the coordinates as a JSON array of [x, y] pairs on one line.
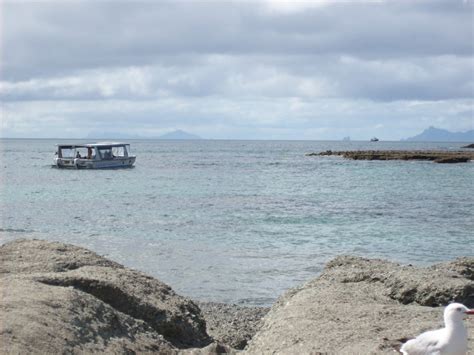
[[240, 221]]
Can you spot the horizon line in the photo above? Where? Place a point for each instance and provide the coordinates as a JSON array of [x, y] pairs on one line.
[[232, 139]]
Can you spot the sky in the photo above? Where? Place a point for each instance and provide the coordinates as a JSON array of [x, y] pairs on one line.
[[261, 69]]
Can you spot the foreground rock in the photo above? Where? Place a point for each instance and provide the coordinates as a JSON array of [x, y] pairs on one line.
[[360, 306], [431, 155], [59, 298], [232, 324]]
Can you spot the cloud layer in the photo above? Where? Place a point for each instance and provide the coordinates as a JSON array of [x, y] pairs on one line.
[[268, 69]]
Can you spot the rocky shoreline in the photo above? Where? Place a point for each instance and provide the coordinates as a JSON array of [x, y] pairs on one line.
[[59, 298], [438, 156]]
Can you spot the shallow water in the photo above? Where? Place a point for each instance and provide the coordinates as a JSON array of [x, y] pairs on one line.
[[241, 221]]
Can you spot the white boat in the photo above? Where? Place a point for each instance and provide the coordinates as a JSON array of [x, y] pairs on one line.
[[104, 155]]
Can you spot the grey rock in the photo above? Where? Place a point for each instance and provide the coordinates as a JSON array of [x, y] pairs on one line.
[[28, 256], [59, 298], [212, 349], [232, 324], [362, 306], [439, 156], [452, 160], [434, 286], [39, 319]]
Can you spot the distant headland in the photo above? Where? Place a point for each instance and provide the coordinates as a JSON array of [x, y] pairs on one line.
[[433, 134]]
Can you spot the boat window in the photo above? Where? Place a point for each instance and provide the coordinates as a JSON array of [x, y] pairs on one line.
[[66, 153], [69, 152], [119, 152], [81, 153], [105, 153]]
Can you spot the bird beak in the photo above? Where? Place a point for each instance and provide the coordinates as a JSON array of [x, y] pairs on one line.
[[470, 311]]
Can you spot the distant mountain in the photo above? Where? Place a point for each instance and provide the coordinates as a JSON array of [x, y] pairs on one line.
[[178, 134], [433, 134]]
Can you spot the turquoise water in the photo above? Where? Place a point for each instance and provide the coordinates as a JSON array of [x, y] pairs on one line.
[[241, 221]]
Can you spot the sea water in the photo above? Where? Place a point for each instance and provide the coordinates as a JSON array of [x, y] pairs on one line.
[[241, 221]]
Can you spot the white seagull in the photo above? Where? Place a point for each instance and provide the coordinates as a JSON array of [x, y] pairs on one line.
[[451, 340]]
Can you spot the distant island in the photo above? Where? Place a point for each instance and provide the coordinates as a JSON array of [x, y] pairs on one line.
[[433, 134], [177, 134]]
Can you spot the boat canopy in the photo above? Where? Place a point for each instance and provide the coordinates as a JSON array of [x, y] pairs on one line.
[[70, 146], [104, 150], [92, 145]]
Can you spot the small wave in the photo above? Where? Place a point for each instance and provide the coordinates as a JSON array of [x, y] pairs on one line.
[[205, 164], [13, 230], [295, 220]]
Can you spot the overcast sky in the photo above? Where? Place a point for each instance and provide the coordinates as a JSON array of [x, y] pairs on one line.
[[236, 70]]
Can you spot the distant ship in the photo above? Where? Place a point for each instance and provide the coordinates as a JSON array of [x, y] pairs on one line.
[[374, 139]]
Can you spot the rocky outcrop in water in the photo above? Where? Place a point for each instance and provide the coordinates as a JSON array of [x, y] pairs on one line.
[[361, 306], [469, 146], [430, 155]]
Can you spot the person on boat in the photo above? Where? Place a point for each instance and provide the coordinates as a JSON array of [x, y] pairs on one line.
[[78, 155]]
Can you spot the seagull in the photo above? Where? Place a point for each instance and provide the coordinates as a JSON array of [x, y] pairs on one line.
[[450, 340]]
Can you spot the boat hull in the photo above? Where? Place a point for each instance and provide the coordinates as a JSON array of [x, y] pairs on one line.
[[116, 163]]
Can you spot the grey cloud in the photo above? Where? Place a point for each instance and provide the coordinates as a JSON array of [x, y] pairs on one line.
[[71, 36], [420, 79], [241, 67], [307, 77]]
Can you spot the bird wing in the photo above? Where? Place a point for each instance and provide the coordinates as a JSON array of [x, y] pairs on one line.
[[425, 344]]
